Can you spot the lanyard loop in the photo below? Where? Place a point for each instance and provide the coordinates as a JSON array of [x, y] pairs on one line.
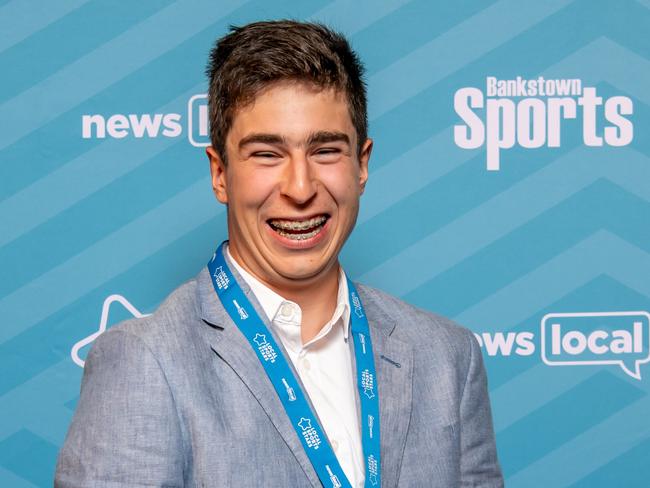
[[287, 387]]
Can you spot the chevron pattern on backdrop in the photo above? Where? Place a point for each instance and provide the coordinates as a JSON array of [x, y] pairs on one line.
[[99, 224]]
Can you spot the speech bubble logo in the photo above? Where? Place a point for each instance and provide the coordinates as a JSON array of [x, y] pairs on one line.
[[103, 323], [198, 122], [597, 338]]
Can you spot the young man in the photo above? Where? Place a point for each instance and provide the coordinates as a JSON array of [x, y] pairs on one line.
[[271, 368]]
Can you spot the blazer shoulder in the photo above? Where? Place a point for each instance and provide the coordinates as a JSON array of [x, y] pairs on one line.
[[165, 326], [415, 325]]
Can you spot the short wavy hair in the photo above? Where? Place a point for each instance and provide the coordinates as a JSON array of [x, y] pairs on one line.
[[253, 56]]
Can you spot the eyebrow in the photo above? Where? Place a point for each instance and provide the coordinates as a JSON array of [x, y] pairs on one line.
[[319, 137], [261, 138]]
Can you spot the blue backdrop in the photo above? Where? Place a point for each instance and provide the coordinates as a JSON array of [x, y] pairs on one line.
[[520, 207]]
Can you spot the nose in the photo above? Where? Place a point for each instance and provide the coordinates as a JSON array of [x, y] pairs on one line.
[[298, 182]]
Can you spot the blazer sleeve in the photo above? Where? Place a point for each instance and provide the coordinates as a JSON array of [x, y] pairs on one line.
[[479, 464], [125, 431]]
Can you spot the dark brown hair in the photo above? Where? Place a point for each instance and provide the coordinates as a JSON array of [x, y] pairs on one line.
[[252, 57]]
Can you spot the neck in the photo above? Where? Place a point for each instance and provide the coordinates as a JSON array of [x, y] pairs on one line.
[[316, 302], [316, 295]]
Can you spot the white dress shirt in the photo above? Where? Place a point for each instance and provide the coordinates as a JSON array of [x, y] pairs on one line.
[[325, 368]]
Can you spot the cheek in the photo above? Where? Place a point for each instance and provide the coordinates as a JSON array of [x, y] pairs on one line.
[[251, 190], [343, 186]]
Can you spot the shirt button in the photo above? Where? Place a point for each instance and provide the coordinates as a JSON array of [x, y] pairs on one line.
[[286, 310], [306, 364]]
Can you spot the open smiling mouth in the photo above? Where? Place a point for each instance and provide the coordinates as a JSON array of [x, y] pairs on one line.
[[299, 230]]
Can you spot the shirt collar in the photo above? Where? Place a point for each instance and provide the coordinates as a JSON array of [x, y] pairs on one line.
[[271, 302]]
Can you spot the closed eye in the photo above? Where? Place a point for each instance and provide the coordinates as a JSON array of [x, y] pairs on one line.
[[327, 155], [265, 155]]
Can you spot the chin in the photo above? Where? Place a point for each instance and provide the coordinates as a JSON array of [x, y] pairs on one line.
[[294, 272]]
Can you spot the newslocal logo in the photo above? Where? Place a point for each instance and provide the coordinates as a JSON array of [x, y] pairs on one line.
[[195, 124], [620, 339], [615, 338], [531, 113]]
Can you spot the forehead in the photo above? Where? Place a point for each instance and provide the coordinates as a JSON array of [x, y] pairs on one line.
[[295, 109]]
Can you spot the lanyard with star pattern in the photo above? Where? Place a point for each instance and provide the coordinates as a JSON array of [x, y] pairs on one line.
[[287, 387]]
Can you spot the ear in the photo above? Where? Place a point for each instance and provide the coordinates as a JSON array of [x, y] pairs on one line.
[[218, 172], [364, 158]]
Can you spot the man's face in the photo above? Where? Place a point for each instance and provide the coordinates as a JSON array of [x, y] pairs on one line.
[[292, 182]]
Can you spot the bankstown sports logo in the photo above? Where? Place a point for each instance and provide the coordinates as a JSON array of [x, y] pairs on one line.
[[119, 126], [620, 339], [532, 113], [336, 483], [356, 304]]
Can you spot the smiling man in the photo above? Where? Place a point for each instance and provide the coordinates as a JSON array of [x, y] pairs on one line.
[[271, 367], [291, 175]]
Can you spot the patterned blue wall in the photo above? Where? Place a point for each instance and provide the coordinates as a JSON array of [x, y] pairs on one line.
[[97, 229]]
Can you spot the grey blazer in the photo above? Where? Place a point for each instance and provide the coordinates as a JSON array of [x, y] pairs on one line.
[[180, 399]]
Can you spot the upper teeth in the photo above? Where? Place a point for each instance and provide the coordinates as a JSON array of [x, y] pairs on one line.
[[298, 224]]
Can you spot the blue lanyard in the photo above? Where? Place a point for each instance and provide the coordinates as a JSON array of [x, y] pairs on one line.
[[288, 388]]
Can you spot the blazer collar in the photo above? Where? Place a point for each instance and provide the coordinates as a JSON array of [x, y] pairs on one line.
[[393, 362]]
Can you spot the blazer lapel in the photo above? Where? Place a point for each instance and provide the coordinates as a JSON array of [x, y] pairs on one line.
[[394, 364], [229, 344]]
